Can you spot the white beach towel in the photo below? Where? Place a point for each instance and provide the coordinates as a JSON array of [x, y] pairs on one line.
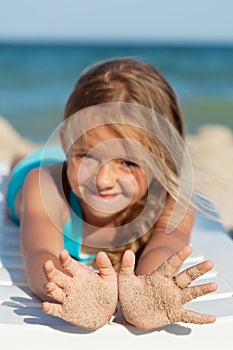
[[24, 326]]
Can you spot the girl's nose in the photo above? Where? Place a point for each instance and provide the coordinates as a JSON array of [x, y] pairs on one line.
[[106, 177]]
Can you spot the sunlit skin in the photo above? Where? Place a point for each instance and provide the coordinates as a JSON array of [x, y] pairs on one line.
[[147, 302], [136, 293], [87, 298]]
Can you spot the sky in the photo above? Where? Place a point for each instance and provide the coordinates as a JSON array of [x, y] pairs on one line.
[[117, 20]]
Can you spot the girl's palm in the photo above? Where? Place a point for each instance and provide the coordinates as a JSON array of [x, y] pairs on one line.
[[155, 300], [83, 297]]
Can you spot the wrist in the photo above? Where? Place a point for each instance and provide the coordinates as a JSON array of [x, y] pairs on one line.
[[152, 260]]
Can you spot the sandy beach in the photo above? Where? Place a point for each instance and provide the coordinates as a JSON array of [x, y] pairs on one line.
[[211, 150]]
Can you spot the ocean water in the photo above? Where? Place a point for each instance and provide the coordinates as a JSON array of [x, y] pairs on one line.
[[36, 80]]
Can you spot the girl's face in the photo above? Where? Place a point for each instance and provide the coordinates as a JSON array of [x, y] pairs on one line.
[[104, 183]]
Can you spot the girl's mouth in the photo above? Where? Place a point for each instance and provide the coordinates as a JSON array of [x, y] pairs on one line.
[[105, 201], [108, 196]]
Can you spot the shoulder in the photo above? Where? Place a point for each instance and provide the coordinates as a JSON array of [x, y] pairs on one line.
[[41, 196], [37, 179]]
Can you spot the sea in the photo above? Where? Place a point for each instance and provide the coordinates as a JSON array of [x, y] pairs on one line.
[[37, 78]]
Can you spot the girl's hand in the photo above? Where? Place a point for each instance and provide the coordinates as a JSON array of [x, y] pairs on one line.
[[85, 298], [156, 299]]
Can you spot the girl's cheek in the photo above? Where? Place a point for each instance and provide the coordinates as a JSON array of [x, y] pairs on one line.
[[128, 185], [72, 175], [87, 172]]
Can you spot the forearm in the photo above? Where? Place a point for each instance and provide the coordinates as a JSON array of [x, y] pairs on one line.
[[34, 270], [163, 247]]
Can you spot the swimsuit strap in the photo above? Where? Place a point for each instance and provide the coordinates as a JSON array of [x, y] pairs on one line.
[[77, 227], [73, 229]]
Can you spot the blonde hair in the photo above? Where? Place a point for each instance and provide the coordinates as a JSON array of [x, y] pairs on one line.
[[131, 81]]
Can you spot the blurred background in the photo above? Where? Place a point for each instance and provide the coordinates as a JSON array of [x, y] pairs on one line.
[[44, 46]]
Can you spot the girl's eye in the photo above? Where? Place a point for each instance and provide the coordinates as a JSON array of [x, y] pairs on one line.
[[130, 164], [81, 156], [87, 155], [84, 155]]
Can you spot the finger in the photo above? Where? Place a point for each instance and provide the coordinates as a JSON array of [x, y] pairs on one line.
[[195, 317], [67, 262], [54, 292], [194, 292], [184, 278], [171, 265], [53, 309], [54, 275], [104, 266], [127, 263]]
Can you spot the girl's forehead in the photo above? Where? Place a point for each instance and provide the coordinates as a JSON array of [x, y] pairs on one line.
[[98, 135], [108, 143], [108, 132], [102, 133]]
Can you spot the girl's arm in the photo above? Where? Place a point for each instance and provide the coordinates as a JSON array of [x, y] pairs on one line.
[[41, 239], [163, 245], [75, 293], [157, 296]]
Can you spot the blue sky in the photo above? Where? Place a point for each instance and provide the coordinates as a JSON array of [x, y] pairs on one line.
[[185, 20]]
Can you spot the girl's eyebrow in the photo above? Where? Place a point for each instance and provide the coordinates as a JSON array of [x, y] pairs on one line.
[[82, 148], [79, 150]]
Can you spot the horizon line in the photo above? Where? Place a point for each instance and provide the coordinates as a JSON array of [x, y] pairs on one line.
[[116, 42]]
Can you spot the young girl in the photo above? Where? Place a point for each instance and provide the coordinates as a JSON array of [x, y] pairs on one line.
[[91, 202]]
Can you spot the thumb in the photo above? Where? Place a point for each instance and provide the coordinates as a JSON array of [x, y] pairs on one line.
[[127, 263], [104, 266]]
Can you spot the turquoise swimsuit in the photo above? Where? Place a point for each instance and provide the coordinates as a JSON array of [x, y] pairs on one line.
[[72, 230]]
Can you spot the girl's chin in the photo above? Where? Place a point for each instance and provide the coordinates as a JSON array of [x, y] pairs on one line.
[[100, 213]]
